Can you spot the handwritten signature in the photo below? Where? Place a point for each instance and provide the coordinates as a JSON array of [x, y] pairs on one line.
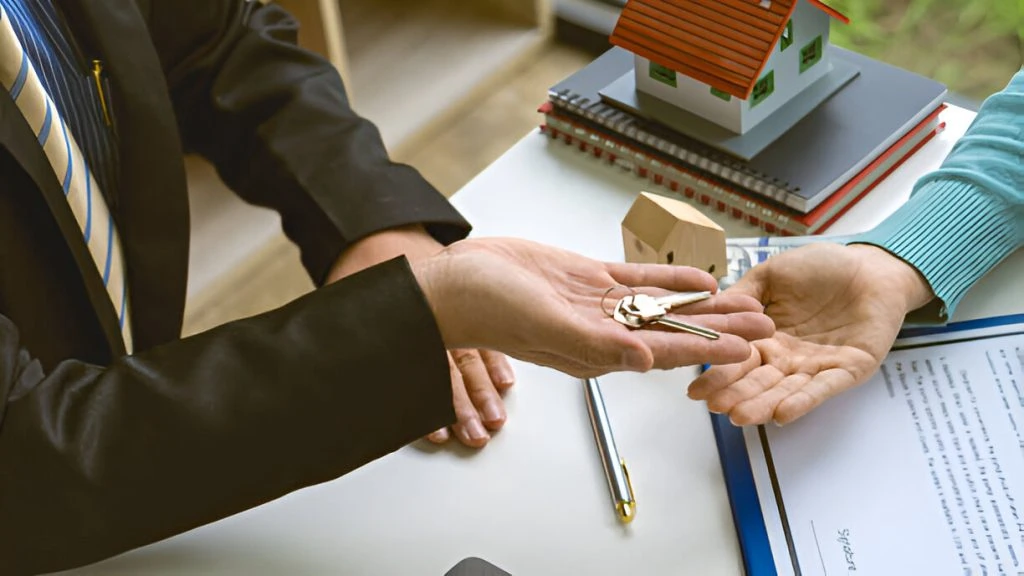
[[843, 538]]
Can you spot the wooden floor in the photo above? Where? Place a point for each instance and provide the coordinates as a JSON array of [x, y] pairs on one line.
[[458, 153], [495, 124], [410, 61]]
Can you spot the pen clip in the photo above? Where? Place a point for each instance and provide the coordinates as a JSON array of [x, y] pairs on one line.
[[627, 508], [101, 90]]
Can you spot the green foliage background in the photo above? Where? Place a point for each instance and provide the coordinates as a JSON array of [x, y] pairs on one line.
[[972, 46]]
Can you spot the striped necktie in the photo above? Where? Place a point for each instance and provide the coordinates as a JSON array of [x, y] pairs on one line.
[[81, 189]]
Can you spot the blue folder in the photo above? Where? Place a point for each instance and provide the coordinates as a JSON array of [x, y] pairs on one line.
[[751, 529], [746, 506]]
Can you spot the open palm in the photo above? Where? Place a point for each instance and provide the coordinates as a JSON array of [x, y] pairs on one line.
[[837, 310], [545, 305]]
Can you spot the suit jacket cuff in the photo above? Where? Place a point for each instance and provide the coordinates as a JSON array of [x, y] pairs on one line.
[[385, 195]]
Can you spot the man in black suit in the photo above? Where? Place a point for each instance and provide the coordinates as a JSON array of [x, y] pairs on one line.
[[114, 432]]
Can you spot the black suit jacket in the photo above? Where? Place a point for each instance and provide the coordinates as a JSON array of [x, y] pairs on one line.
[[102, 452]]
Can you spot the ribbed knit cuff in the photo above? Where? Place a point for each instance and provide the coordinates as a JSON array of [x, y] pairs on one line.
[[952, 234]]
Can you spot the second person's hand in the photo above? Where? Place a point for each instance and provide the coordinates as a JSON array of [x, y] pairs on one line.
[[837, 310]]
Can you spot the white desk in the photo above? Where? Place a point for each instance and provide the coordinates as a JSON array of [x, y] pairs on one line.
[[535, 500]]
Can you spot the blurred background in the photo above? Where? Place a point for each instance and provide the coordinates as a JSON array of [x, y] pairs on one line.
[[453, 84], [972, 46]]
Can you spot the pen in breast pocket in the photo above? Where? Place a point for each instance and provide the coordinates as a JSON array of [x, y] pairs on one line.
[[615, 470]]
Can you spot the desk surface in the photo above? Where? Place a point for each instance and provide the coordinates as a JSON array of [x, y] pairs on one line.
[[534, 501]]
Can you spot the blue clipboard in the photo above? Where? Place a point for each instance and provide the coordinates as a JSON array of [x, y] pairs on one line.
[[751, 530], [747, 517]]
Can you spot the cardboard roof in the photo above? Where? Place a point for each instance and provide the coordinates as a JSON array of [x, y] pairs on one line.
[[723, 43], [653, 217]]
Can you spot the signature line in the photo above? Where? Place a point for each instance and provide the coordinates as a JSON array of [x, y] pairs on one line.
[[818, 546]]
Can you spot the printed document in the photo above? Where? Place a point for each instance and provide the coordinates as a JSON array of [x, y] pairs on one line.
[[918, 471]]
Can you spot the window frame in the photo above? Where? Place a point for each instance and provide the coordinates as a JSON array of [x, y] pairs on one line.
[[768, 80], [818, 46], [720, 94], [786, 40], [663, 74]]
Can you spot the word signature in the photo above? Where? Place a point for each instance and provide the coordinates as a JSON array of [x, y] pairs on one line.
[[843, 538]]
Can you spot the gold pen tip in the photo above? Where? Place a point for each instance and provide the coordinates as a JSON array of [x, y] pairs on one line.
[[627, 511]]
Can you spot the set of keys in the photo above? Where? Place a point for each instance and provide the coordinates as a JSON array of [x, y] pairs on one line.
[[640, 310]]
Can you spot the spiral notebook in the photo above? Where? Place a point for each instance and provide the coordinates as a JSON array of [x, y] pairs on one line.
[[677, 180], [803, 167]]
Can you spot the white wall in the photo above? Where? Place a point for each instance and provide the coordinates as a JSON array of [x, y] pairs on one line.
[[690, 95], [808, 22]]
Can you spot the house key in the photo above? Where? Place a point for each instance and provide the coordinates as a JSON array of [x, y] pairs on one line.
[[639, 310], [667, 303]]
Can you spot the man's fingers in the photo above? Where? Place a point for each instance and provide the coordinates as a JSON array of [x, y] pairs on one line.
[[724, 303], [669, 277], [674, 349], [605, 346], [823, 386], [718, 377], [752, 384], [747, 325], [468, 428], [500, 369], [480, 388], [439, 436]]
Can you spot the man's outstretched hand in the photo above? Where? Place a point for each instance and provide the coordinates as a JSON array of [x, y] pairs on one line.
[[545, 305], [479, 377], [837, 310]]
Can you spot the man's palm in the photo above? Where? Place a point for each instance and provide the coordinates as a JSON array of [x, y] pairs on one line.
[[837, 311]]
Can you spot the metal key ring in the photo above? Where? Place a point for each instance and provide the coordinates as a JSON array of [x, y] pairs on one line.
[[609, 291]]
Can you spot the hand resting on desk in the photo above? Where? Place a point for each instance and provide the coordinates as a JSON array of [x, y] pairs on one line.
[[837, 311], [543, 305], [479, 377]]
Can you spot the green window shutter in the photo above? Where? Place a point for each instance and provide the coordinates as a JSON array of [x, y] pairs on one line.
[[787, 36], [662, 74], [723, 95], [763, 89], [810, 54]]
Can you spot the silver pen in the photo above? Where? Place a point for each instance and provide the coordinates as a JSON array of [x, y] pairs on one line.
[[614, 466]]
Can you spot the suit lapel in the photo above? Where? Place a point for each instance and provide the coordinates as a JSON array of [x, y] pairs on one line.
[[17, 137], [152, 207]]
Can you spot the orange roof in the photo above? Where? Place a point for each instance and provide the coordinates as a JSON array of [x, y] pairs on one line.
[[723, 43], [830, 11]]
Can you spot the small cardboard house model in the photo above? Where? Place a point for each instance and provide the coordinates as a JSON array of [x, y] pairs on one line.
[[733, 62], [661, 230]]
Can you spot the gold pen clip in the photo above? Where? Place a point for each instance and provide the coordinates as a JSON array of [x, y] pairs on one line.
[[97, 76], [627, 509]]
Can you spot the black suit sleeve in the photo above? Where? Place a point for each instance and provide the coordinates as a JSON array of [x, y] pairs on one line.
[[95, 461], [275, 121]]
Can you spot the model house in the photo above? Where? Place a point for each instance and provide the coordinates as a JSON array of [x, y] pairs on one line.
[[733, 62], [662, 230]]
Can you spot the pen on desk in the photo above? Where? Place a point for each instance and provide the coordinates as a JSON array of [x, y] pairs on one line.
[[614, 466]]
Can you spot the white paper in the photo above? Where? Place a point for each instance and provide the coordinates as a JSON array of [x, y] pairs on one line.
[[918, 471]]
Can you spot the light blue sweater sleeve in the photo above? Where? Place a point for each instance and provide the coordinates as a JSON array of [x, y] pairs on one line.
[[964, 218]]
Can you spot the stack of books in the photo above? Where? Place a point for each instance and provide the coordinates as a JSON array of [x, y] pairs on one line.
[[797, 182]]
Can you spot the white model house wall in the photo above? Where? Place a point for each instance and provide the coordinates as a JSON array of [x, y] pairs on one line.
[[733, 113], [808, 23], [690, 95]]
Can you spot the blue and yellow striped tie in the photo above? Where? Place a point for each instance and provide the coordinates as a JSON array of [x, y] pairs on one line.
[[81, 189]]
